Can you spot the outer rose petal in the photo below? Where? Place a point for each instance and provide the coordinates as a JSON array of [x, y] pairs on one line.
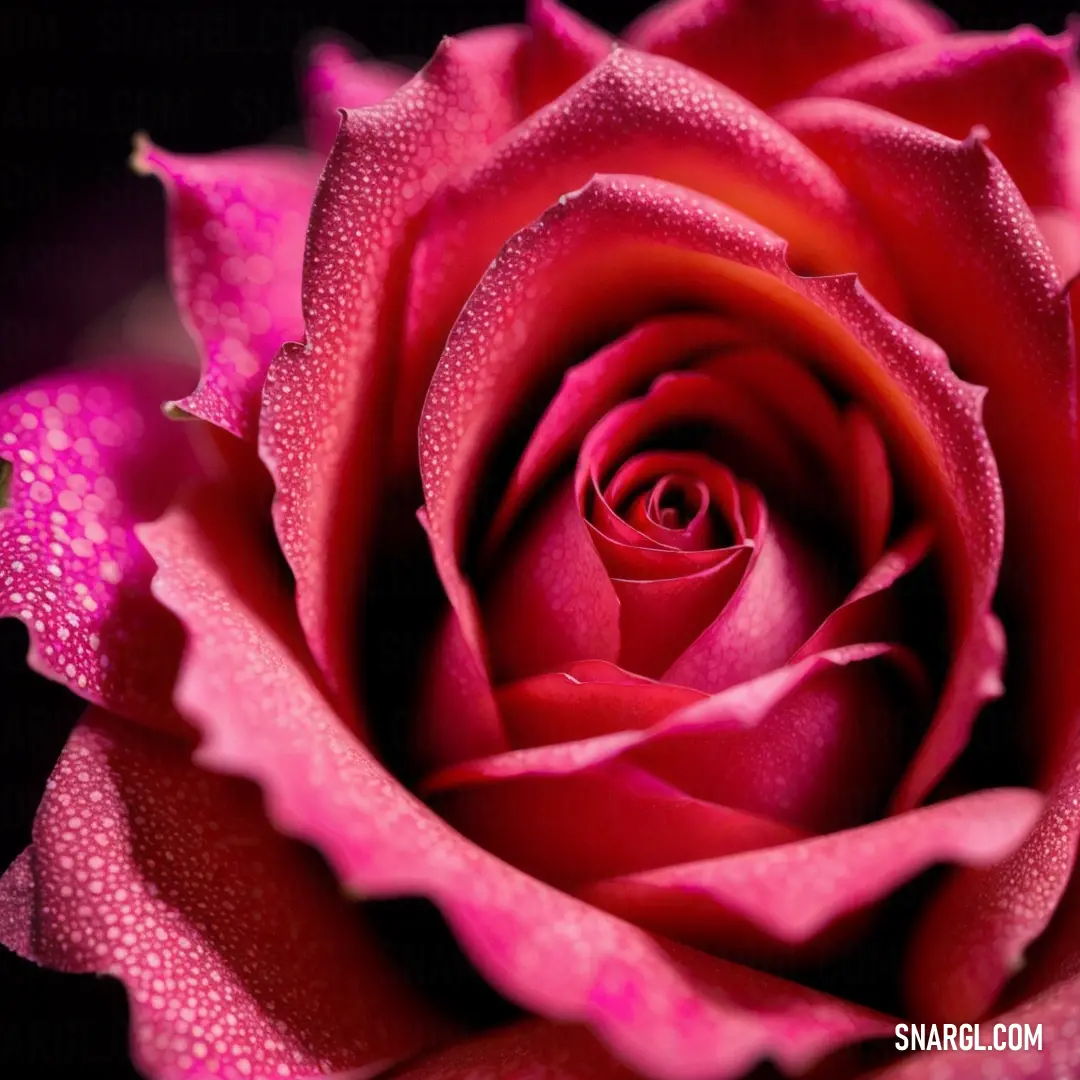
[[631, 245], [236, 248], [90, 454], [1017, 85], [985, 286], [669, 1013], [615, 819], [239, 965], [973, 936], [794, 891], [769, 50], [321, 430], [335, 79], [562, 47]]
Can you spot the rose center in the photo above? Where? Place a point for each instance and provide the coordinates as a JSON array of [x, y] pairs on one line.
[[660, 497], [676, 502]]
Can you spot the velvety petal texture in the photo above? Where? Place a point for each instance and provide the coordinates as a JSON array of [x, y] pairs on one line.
[[88, 454], [642, 241], [239, 955], [237, 223], [700, 371], [321, 429], [671, 1013]]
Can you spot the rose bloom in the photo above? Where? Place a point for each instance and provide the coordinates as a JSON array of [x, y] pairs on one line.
[[730, 365]]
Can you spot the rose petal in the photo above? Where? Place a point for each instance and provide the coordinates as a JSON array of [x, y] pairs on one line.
[[335, 79], [985, 286], [456, 717], [668, 1013], [973, 937], [869, 485], [784, 594], [591, 388], [563, 46], [825, 757], [659, 619], [1015, 84], [775, 50], [794, 891], [237, 223], [1061, 231], [237, 951], [551, 602], [782, 384], [615, 819], [91, 455], [635, 245], [320, 428], [590, 699], [868, 613], [735, 709], [634, 114]]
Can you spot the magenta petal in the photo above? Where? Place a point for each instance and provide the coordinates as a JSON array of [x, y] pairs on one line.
[[237, 223], [869, 487], [615, 819], [868, 613], [659, 619], [563, 46], [456, 716], [90, 456], [1017, 85], [668, 1013], [631, 244], [590, 699], [335, 79], [985, 286], [323, 402], [825, 757], [238, 966], [772, 51], [551, 602], [18, 899], [736, 709], [795, 891], [973, 937], [784, 594]]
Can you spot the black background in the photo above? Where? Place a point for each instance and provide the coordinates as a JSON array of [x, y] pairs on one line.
[[78, 232]]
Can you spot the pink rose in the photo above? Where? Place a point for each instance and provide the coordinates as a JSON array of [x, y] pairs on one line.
[[732, 370]]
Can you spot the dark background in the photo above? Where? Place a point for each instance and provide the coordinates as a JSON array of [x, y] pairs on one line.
[[79, 232]]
